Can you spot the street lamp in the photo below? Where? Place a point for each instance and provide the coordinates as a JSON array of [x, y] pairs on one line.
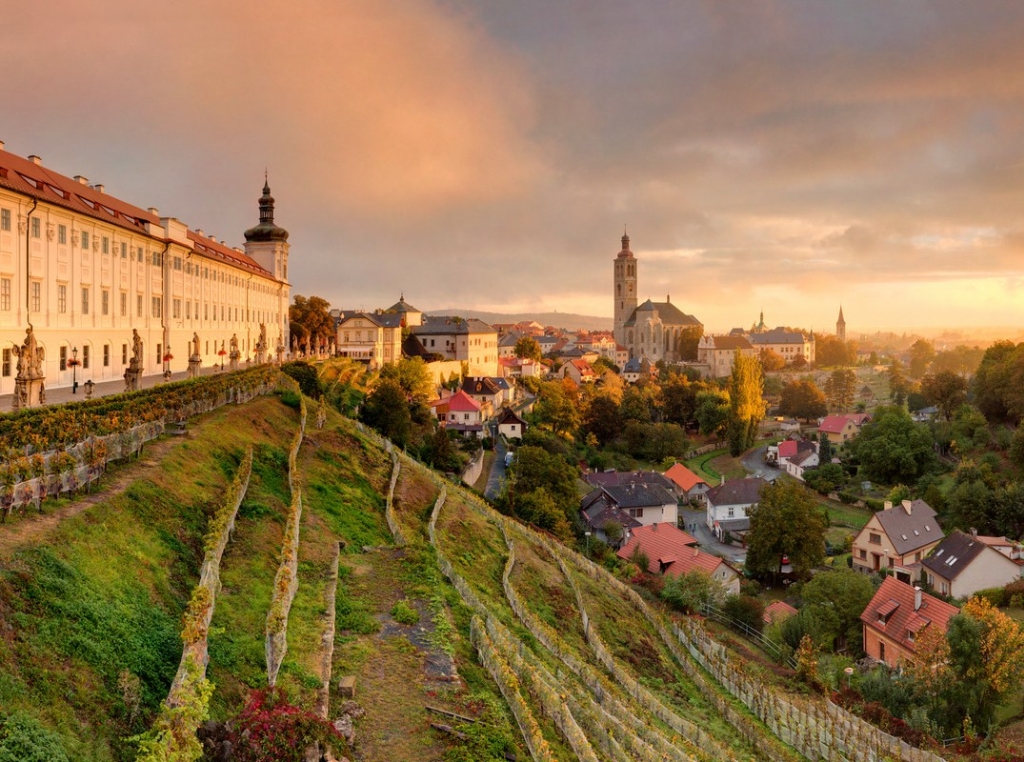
[[73, 362], [849, 673], [588, 543]]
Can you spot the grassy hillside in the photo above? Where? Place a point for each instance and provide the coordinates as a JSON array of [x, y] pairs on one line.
[[91, 605]]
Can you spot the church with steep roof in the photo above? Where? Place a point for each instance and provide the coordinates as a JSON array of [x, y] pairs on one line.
[[652, 330]]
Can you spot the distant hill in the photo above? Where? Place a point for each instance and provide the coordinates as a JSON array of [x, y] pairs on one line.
[[567, 320]]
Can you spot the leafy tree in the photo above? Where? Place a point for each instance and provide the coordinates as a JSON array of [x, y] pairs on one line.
[[745, 609], [968, 429], [771, 360], [712, 411], [603, 366], [313, 314], [831, 351], [899, 387], [946, 390], [691, 591], [1008, 510], [847, 594], [602, 419], [824, 448], [527, 348], [557, 407], [679, 400], [746, 403], [999, 382], [689, 338], [803, 399], [655, 441], [535, 470], [413, 376], [306, 375], [892, 448], [840, 389], [441, 453], [786, 522], [922, 352], [1017, 448], [825, 478], [386, 409], [637, 402]]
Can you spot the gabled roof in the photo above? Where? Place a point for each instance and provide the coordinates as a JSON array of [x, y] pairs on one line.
[[667, 312], [684, 477], [737, 491], [802, 457], [777, 336], [728, 342], [508, 415], [380, 320], [777, 611], [955, 553], [460, 402], [834, 424], [892, 611], [434, 325], [598, 509], [615, 478], [910, 525], [663, 544], [402, 306], [479, 385]]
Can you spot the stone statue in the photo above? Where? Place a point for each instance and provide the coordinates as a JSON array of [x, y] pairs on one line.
[[261, 343], [136, 349], [195, 344], [234, 343], [30, 356]]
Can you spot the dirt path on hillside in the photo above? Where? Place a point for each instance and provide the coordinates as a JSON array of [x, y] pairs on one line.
[[31, 526]]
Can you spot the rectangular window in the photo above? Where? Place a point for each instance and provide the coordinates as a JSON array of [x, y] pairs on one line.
[[85, 240], [6, 369], [177, 263], [62, 234], [5, 219], [124, 304], [37, 228], [874, 538], [188, 310], [63, 359], [62, 298], [138, 305], [106, 245], [159, 354], [106, 355], [85, 300], [36, 294], [85, 357], [124, 354], [206, 312], [158, 306], [5, 294], [176, 309], [138, 254], [106, 302], [124, 250]]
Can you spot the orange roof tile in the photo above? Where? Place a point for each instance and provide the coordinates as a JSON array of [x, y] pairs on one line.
[[684, 477]]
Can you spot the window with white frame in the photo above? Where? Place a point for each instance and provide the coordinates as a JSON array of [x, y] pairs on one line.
[[5, 219], [36, 295], [5, 294], [62, 298], [106, 301], [85, 300], [62, 234]]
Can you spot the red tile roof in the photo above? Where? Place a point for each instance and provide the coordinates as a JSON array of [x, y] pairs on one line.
[[684, 477], [669, 550], [776, 611], [787, 449], [834, 424], [891, 611], [460, 402]]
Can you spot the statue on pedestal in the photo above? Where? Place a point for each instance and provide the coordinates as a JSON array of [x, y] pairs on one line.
[[195, 345], [261, 344], [195, 359], [29, 388], [137, 348]]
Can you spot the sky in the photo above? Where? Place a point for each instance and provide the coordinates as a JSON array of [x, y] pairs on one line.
[[785, 155]]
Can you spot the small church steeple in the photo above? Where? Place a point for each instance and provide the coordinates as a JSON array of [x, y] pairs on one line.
[[841, 325]]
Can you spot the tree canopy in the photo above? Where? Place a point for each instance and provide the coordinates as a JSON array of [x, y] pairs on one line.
[[312, 313], [746, 403], [892, 448], [786, 522], [803, 399], [946, 390], [527, 348]]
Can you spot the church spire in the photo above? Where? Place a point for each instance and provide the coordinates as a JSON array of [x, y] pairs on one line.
[[266, 230]]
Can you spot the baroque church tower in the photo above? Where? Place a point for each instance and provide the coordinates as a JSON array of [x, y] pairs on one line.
[[841, 326], [267, 245], [624, 289]]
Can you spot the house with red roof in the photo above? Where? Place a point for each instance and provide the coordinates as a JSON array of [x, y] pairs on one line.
[[842, 428], [579, 370], [688, 485], [895, 618], [459, 412], [671, 551], [777, 611]]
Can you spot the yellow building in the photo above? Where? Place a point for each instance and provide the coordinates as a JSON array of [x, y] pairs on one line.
[[85, 269]]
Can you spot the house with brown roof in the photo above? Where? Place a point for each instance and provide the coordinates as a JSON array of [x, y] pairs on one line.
[[510, 425], [579, 370], [728, 503], [962, 564], [644, 503], [688, 486], [896, 617], [673, 552], [485, 392], [718, 353], [797, 464], [897, 538]]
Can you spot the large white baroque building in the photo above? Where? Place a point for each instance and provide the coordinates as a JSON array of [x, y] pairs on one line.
[[85, 269]]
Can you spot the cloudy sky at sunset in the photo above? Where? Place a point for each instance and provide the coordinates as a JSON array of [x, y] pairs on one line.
[[486, 153]]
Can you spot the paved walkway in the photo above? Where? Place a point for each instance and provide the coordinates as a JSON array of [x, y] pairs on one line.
[[60, 394], [497, 475]]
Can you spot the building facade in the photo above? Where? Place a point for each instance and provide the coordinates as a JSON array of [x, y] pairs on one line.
[[85, 269]]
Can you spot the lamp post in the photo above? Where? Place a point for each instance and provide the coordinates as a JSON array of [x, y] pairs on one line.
[[849, 673], [588, 543], [74, 370]]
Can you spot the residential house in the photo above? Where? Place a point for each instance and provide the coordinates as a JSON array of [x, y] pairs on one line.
[[510, 425], [647, 503], [787, 344], [728, 504], [508, 390], [842, 428], [507, 344], [371, 337], [410, 315], [718, 353], [1012, 550], [514, 367], [607, 522], [776, 611], [637, 368], [459, 412], [897, 538], [672, 552], [793, 446], [797, 464], [896, 617], [613, 478], [485, 392], [579, 371], [688, 486], [469, 341], [962, 564]]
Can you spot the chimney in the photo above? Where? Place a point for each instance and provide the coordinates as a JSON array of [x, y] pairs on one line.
[[154, 211], [35, 160], [888, 505], [974, 532], [917, 598], [98, 187], [200, 233], [1, 145], [908, 507], [654, 527], [82, 179]]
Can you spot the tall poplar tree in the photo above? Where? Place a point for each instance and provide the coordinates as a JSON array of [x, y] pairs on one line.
[[747, 407]]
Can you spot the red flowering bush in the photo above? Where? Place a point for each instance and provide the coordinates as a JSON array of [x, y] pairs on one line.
[[270, 729]]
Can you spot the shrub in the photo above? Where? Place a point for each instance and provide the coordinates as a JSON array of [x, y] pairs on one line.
[[270, 729], [994, 595], [403, 613], [23, 739], [291, 399], [306, 375], [746, 610]]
